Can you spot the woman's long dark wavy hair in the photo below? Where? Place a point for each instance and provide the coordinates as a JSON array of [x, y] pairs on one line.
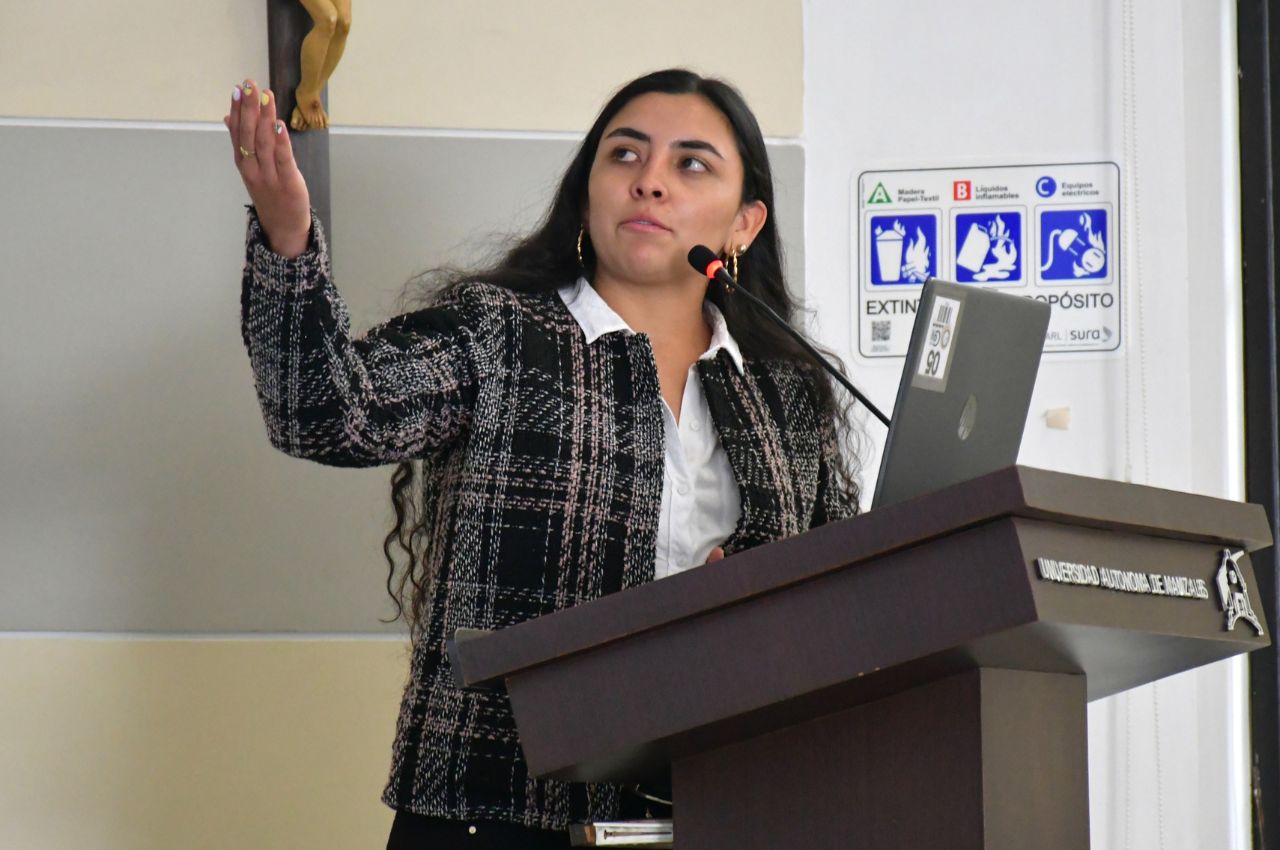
[[547, 259]]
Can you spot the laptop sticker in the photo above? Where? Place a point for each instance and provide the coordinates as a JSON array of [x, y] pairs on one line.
[[939, 343]]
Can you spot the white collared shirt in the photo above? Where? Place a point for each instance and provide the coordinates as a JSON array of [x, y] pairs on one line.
[[700, 499]]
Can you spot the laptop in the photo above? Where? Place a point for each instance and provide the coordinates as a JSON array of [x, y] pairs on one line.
[[965, 389]]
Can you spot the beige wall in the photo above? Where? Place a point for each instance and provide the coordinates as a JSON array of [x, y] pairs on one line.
[[126, 744], [467, 64]]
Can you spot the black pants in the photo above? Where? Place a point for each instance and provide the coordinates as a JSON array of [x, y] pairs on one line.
[[418, 832]]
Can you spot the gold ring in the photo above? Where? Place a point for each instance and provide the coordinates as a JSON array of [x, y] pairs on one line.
[[247, 153]]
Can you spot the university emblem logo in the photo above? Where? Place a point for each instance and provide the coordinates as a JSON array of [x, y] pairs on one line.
[[1233, 594]]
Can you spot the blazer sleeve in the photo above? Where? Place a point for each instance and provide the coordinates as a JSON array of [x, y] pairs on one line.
[[405, 389]]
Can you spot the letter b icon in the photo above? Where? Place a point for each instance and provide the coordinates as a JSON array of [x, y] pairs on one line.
[[961, 190]]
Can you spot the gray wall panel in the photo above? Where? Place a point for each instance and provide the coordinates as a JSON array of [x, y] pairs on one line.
[[137, 489]]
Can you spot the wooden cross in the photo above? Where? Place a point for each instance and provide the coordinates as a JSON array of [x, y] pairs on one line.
[[287, 25]]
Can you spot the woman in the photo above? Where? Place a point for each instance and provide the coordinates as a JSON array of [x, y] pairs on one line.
[[584, 417]]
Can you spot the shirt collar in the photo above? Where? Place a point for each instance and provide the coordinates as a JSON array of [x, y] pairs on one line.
[[597, 318]]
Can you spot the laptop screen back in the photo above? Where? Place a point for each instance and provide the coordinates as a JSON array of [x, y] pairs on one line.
[[965, 389]]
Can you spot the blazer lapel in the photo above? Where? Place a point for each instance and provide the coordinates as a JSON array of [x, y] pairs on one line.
[[747, 412]]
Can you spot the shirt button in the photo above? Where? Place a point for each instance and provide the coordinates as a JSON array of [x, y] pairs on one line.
[[471, 830], [695, 426], [683, 489]]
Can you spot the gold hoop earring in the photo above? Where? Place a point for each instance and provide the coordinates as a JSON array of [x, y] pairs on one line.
[[737, 252], [581, 232]]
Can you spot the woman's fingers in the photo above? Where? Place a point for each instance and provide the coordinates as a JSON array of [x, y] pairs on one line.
[[283, 150], [716, 554], [250, 110], [232, 120], [264, 141]]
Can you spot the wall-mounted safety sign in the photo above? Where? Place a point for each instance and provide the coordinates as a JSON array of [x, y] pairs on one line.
[[1048, 232]]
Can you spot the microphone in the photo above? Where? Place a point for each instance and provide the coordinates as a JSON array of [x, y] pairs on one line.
[[705, 261]]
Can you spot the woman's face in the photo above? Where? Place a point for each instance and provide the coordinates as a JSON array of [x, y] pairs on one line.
[[667, 176]]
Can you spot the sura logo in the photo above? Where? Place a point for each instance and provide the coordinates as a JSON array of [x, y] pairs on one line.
[[1102, 334]]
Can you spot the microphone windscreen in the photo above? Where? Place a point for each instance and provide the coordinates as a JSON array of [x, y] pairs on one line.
[[701, 257]]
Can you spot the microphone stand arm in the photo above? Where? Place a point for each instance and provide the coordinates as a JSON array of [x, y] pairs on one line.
[[804, 343]]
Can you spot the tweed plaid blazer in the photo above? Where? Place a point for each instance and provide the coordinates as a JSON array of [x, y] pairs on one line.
[[543, 464]]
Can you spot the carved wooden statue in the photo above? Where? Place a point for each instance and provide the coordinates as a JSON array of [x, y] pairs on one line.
[[321, 50]]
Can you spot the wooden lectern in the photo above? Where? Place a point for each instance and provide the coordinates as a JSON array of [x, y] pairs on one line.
[[915, 677]]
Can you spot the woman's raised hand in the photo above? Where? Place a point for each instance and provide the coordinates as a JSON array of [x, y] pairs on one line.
[[264, 157]]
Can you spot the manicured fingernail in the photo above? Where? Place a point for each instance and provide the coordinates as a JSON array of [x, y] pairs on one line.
[[279, 127], [265, 100], [235, 94], [248, 87]]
